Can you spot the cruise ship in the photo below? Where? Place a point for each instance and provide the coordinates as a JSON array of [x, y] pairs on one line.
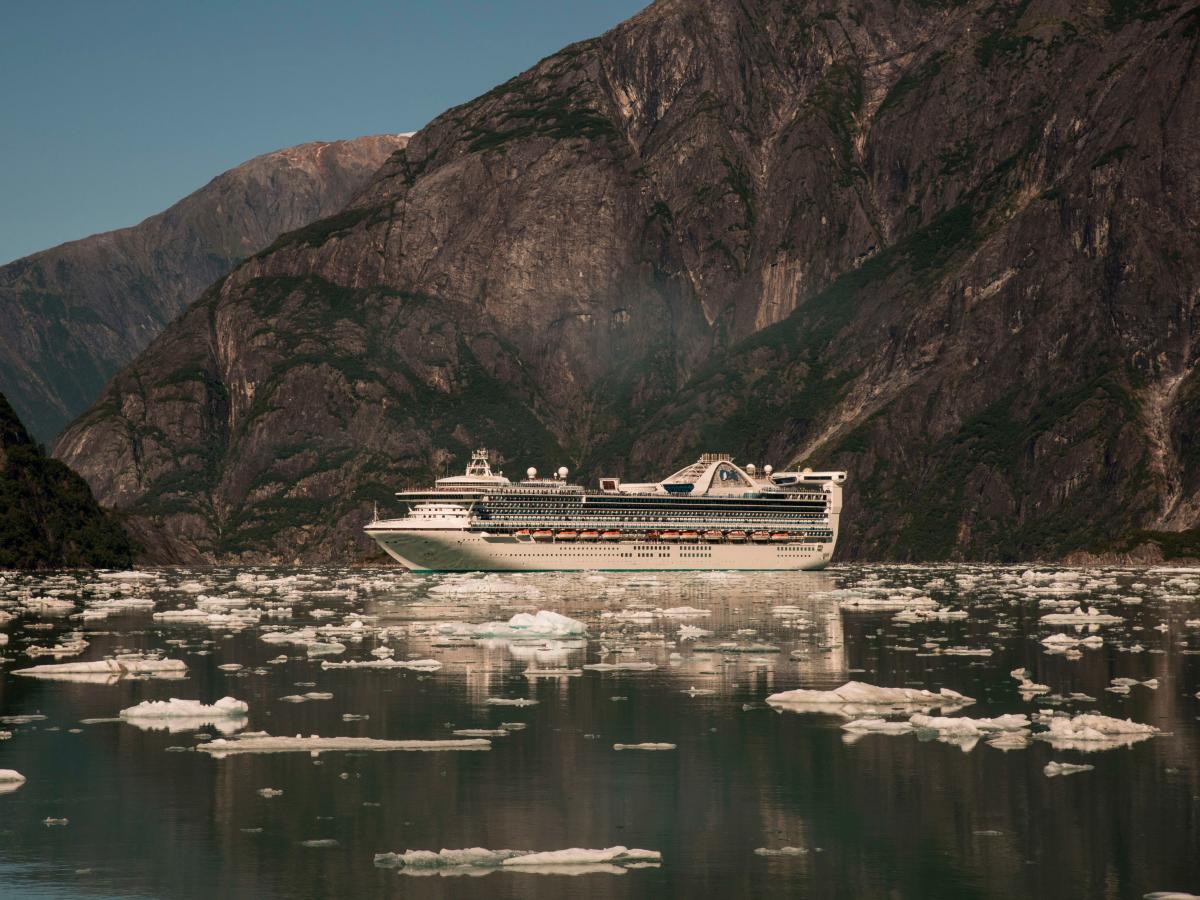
[[712, 514]]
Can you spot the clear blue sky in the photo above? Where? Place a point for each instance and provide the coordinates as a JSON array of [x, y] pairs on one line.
[[111, 110]]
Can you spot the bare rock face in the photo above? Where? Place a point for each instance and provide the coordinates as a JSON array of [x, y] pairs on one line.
[[70, 317], [950, 246]]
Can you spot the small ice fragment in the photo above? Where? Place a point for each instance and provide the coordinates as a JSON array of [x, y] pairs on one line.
[[160, 709], [49, 823], [1056, 768], [644, 746], [259, 742], [319, 842], [510, 701], [781, 851], [622, 667], [270, 792]]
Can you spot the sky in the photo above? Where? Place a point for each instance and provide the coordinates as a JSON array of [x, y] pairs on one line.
[[112, 110]]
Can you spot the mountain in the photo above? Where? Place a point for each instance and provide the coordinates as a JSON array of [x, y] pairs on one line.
[[946, 245], [70, 317], [48, 517]]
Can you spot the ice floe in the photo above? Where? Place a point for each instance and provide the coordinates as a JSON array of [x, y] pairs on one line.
[[1052, 769], [644, 746], [1078, 617], [1091, 731], [10, 780], [856, 695], [175, 715], [561, 861], [259, 742], [108, 670], [415, 665]]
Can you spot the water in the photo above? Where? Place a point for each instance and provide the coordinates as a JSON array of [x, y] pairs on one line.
[[884, 816]]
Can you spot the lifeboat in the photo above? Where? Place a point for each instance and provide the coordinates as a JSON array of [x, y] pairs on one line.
[[669, 535], [736, 536], [652, 535], [760, 537], [690, 536], [713, 536], [543, 534], [522, 533], [611, 535], [566, 535], [780, 537], [589, 535]]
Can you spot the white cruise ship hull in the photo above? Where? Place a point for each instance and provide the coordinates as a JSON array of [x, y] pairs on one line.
[[446, 550]]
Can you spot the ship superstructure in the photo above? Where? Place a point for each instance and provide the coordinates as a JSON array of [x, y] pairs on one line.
[[711, 514]]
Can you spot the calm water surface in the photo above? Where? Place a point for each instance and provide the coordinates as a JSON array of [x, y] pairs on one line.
[[893, 816]]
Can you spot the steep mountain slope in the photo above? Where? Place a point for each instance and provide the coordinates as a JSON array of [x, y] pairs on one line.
[[71, 316], [950, 246], [48, 517]]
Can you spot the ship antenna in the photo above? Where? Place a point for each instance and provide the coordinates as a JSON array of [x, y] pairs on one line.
[[376, 519]]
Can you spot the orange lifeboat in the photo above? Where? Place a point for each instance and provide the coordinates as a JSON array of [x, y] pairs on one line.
[[713, 536], [543, 534], [567, 535], [780, 537], [760, 537], [670, 535], [589, 535], [736, 536], [611, 535], [690, 536], [521, 533]]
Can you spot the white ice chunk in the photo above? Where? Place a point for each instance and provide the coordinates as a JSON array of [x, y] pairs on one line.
[[1079, 617], [415, 665], [621, 667], [1056, 768], [1091, 731], [10, 780], [854, 696], [543, 624], [644, 746], [258, 742]]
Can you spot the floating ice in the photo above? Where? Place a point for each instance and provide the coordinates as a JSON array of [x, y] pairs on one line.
[[227, 715], [108, 670], [1079, 617], [966, 727], [640, 666], [159, 709], [259, 742], [543, 624], [10, 780], [941, 614], [644, 746], [1056, 768], [781, 851], [612, 858], [416, 665], [1091, 731], [875, 725], [856, 695], [510, 701]]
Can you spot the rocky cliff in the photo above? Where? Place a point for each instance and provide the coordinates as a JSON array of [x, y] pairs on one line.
[[949, 246], [70, 317], [48, 517]]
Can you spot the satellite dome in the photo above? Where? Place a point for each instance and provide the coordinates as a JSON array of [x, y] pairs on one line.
[[562, 471], [531, 472], [768, 470]]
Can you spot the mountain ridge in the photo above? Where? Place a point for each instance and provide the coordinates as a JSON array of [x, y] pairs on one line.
[[908, 242], [72, 315]]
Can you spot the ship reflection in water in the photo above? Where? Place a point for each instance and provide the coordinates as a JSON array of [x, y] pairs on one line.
[[729, 795]]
